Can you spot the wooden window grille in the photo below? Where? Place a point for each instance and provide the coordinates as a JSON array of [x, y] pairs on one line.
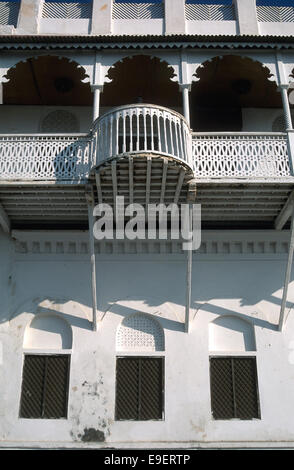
[[45, 386]]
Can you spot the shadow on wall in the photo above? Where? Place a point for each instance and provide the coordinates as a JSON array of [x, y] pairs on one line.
[[248, 282]]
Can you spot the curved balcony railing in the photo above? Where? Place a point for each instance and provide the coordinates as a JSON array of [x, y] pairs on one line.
[[141, 128], [144, 128]]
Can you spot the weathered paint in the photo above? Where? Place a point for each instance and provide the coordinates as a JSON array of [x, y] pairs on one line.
[[241, 285]]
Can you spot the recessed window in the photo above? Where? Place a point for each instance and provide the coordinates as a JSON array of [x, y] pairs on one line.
[[234, 388], [139, 388], [45, 386]]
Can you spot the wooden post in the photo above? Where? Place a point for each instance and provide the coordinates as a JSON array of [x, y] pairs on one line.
[[189, 273]]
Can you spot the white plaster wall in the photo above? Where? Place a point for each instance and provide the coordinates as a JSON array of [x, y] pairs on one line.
[[61, 26], [259, 119], [28, 119], [276, 28], [249, 285], [138, 27], [211, 28]]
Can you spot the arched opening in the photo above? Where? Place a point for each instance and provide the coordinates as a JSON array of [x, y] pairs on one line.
[[140, 332], [233, 369], [231, 333], [233, 93], [139, 369], [48, 332], [43, 85], [46, 368], [141, 79]]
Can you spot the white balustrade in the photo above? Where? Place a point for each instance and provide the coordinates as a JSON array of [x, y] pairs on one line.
[[142, 128], [40, 157], [240, 155]]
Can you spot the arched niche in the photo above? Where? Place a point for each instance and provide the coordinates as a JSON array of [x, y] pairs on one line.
[[48, 332], [231, 333], [139, 332]]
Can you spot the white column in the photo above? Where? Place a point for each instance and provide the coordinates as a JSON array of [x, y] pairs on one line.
[[101, 17], [186, 88], [246, 16], [91, 204], [174, 16], [29, 16], [97, 89], [286, 106]]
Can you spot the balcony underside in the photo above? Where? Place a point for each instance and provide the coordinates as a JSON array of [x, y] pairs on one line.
[[223, 204], [142, 179]]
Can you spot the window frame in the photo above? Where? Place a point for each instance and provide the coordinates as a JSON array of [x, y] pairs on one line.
[[163, 368], [251, 356], [52, 353]]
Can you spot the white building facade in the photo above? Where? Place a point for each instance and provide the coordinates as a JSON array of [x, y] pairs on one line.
[[136, 342]]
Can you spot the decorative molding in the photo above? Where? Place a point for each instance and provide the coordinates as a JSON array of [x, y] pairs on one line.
[[213, 243]]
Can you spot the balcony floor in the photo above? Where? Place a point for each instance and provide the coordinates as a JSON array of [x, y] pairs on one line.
[[142, 179], [223, 204]]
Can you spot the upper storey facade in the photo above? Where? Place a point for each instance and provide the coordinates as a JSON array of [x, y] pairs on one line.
[[148, 17]]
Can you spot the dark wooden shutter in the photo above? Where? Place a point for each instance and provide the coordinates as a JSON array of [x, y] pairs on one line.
[[32, 387], [139, 388], [234, 390], [44, 386], [56, 387], [127, 388], [151, 389], [221, 381], [246, 395]]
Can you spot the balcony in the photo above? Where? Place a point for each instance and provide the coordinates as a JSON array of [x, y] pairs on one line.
[[136, 130], [147, 154]]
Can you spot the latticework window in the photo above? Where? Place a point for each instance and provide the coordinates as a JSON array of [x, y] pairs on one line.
[[45, 386], [210, 10], [137, 10], [139, 388], [139, 332], [234, 388], [9, 12]]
